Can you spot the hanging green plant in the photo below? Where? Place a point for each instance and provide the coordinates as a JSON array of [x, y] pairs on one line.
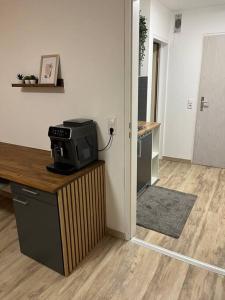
[[143, 34]]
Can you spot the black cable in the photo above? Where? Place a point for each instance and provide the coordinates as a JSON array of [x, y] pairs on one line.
[[108, 144]]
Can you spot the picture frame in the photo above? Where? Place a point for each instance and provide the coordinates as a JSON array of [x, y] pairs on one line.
[[49, 68]]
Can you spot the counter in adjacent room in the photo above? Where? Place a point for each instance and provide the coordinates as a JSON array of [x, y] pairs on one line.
[[151, 158], [145, 127]]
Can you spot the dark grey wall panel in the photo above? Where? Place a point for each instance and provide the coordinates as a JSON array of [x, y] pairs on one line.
[[142, 97]]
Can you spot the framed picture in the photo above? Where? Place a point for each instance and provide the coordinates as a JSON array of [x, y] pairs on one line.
[[49, 69]]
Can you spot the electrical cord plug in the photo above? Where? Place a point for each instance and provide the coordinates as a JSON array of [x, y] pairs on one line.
[[111, 130]]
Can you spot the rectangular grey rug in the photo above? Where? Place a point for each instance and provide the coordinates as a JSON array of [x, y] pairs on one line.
[[164, 210]]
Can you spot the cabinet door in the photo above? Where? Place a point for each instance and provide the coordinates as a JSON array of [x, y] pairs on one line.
[[39, 231], [144, 161]]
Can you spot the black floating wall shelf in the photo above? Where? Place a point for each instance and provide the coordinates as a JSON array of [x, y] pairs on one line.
[[60, 83]]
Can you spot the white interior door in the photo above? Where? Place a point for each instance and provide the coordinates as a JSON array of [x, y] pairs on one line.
[[209, 146]]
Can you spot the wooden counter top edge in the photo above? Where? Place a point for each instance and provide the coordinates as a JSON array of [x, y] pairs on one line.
[[148, 127], [19, 179]]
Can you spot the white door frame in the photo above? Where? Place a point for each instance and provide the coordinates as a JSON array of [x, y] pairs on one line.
[[131, 114], [131, 108], [162, 88]]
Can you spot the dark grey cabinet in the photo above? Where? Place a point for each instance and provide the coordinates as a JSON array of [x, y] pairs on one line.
[[144, 157], [38, 226]]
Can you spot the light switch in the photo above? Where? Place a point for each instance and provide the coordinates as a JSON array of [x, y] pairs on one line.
[[190, 104]]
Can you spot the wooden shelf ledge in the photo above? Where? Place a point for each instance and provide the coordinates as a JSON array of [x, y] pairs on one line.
[[60, 83]]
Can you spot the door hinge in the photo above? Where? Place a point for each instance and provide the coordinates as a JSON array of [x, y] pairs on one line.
[[130, 126]]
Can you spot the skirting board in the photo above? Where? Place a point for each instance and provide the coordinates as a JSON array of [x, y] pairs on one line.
[[115, 233], [180, 257], [177, 159]]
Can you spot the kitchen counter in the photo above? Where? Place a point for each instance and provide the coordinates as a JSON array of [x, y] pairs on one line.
[[27, 166], [60, 219], [147, 127]]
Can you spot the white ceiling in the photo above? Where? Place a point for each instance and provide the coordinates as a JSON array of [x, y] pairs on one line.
[[189, 4]]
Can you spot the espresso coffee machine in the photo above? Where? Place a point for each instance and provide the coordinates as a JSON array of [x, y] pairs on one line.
[[73, 145]]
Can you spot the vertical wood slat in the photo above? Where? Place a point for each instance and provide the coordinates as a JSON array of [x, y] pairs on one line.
[[97, 203], [85, 212], [71, 222], [63, 233], [91, 210], [104, 197], [94, 206], [88, 212], [78, 222], [75, 223], [68, 237], [100, 201], [82, 216]]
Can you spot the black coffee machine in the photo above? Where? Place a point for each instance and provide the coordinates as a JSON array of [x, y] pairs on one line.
[[74, 145]]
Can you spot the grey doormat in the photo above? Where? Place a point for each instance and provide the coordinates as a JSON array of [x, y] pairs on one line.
[[164, 210]]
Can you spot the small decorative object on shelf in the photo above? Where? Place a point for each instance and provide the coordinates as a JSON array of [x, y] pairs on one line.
[[19, 78], [33, 79], [49, 69], [27, 79]]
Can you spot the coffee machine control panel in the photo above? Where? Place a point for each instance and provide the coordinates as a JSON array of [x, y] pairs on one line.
[[59, 132]]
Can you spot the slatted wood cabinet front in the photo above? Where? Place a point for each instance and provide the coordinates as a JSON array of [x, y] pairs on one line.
[[82, 216]]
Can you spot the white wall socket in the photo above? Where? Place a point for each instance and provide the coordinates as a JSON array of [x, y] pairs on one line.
[[112, 123]]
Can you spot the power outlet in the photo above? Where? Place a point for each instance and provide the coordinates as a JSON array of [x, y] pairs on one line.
[[112, 123]]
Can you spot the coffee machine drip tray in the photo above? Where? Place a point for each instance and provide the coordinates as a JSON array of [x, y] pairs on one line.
[[61, 168]]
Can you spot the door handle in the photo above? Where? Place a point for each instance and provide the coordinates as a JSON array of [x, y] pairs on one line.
[[20, 202], [29, 191], [203, 104], [139, 148]]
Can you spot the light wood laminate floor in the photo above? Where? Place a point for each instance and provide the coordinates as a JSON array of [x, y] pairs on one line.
[[203, 236], [115, 270]]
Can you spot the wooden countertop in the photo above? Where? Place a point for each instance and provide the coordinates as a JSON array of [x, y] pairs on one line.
[[147, 127], [27, 166]]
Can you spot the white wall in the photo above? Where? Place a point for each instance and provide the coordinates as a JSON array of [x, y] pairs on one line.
[[184, 76], [161, 19], [89, 36]]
